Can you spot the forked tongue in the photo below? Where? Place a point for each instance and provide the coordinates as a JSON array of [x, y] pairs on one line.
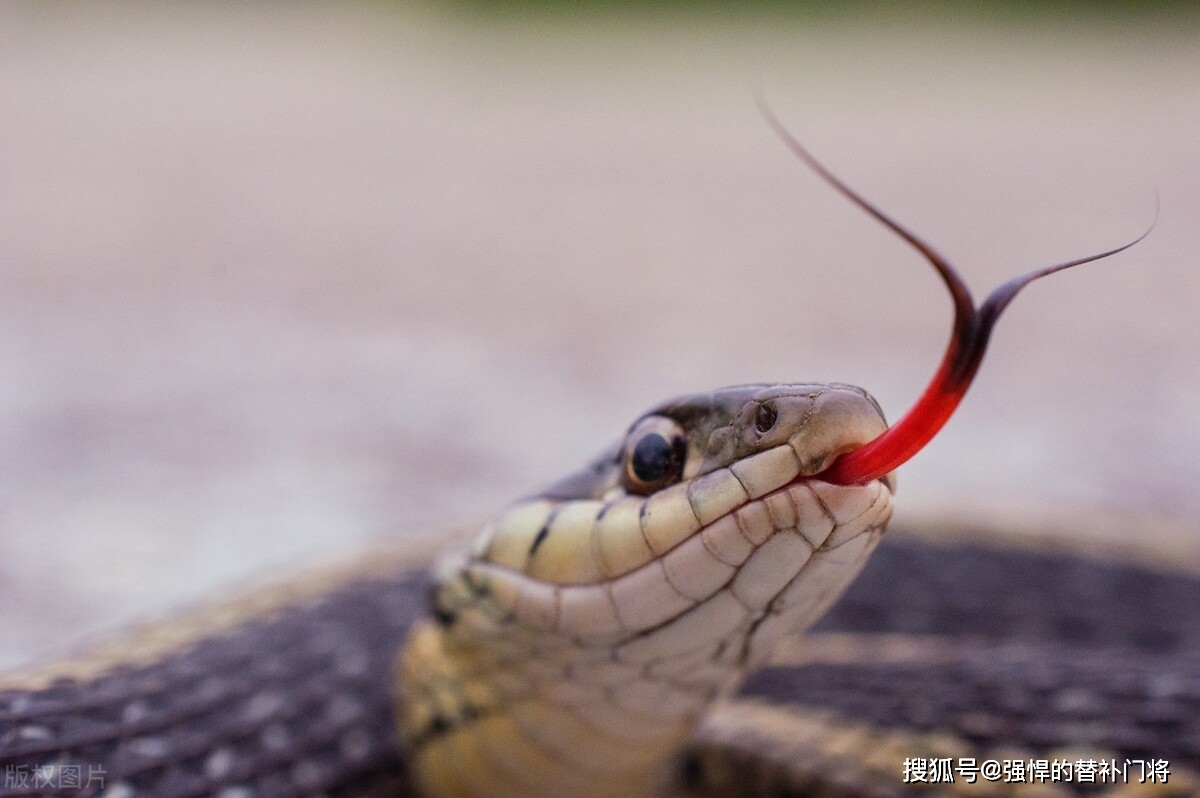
[[968, 341]]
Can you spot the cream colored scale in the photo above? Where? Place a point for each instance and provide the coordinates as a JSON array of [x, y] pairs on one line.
[[591, 627]]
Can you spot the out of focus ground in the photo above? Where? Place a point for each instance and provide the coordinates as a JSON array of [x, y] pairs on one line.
[[279, 282]]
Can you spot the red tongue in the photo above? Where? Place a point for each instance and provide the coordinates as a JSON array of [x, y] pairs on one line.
[[968, 341]]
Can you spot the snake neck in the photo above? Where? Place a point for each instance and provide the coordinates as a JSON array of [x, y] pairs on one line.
[[499, 698], [494, 707]]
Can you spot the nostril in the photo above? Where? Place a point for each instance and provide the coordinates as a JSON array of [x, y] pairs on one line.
[[765, 419]]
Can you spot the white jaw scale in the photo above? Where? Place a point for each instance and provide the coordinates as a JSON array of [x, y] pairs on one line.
[[583, 638]]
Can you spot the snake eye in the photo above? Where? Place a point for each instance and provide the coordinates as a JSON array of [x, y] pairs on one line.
[[654, 455], [652, 458]]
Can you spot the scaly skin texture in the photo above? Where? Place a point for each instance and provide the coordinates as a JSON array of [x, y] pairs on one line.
[[591, 627]]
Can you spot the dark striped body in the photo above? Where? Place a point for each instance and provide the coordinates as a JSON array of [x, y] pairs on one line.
[[297, 704]]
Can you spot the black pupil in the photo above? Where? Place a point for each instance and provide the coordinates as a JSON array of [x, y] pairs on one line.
[[653, 458]]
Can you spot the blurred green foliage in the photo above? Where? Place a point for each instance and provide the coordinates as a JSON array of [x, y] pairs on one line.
[[1159, 10]]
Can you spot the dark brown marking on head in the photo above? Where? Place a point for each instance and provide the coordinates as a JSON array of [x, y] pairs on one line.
[[539, 538]]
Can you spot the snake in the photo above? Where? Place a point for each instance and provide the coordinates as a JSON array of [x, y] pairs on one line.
[[707, 608]]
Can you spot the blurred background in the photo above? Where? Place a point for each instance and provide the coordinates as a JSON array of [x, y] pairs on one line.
[[281, 282]]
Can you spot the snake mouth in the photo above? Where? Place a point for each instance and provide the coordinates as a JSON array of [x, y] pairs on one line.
[[888, 481]]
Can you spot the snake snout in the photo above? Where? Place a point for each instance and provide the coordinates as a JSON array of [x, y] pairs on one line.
[[820, 425]]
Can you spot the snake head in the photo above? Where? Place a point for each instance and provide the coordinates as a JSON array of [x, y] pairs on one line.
[[731, 427], [712, 497]]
